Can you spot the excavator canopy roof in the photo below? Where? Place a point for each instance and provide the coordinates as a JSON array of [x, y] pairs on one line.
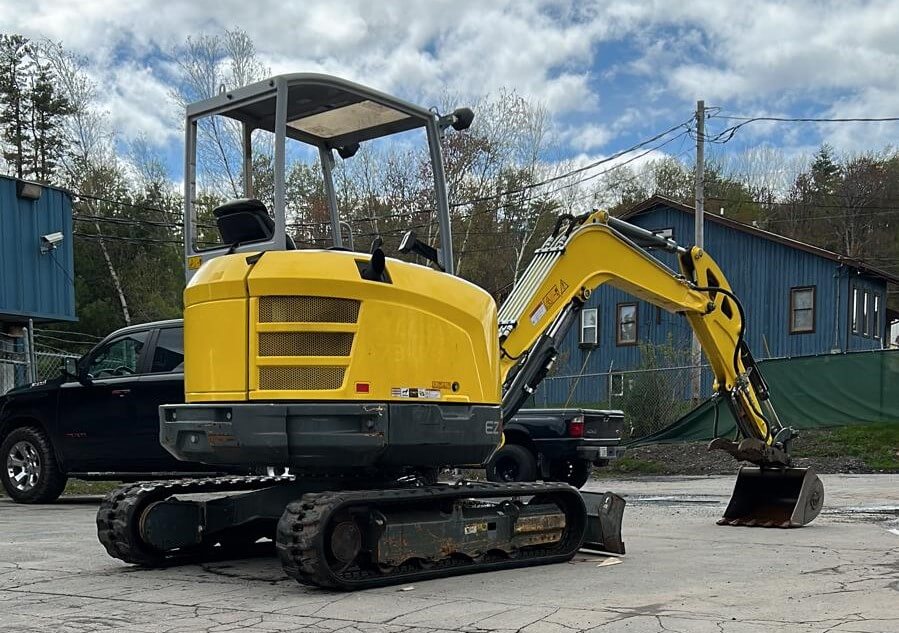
[[320, 109]]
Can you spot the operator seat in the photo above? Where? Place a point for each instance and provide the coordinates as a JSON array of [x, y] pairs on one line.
[[246, 220]]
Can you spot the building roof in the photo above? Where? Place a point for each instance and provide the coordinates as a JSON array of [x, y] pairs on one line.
[[662, 201]]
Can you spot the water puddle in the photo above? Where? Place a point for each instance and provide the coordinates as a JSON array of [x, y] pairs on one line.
[[886, 516]]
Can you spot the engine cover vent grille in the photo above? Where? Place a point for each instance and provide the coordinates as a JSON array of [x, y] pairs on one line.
[[304, 309], [303, 378], [305, 343]]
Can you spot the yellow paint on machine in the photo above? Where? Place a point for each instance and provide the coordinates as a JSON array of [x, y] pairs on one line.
[[261, 332]]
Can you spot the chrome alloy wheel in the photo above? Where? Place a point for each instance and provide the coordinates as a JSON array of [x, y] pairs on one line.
[[23, 465]]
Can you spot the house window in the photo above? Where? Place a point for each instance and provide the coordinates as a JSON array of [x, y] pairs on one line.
[[616, 384], [589, 327], [875, 314], [854, 317], [626, 330], [802, 310], [866, 315]]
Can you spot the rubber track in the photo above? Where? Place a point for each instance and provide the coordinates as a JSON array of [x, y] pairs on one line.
[[301, 547], [118, 517]]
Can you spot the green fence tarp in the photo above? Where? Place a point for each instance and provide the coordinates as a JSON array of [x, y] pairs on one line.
[[808, 392]]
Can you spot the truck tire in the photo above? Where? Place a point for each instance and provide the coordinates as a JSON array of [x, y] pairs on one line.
[[512, 462], [28, 467], [574, 472]]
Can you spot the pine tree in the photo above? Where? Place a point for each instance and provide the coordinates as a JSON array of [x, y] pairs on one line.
[[15, 64], [32, 111], [48, 108]]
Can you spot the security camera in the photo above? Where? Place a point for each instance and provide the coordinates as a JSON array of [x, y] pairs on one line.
[[50, 241]]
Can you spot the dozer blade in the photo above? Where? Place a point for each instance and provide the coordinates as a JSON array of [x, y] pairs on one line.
[[605, 511], [774, 497]]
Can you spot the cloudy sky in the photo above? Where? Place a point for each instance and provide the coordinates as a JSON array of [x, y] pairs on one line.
[[611, 72]]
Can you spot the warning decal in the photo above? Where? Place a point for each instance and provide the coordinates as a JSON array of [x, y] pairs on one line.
[[553, 295], [537, 314], [415, 392]]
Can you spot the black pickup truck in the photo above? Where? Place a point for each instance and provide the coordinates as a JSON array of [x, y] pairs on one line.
[[557, 444], [98, 418]]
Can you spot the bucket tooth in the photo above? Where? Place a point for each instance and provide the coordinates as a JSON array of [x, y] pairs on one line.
[[774, 497]]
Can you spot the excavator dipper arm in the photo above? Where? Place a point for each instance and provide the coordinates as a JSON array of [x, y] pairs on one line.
[[588, 251]]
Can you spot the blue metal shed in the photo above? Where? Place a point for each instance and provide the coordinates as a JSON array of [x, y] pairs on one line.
[[799, 300], [36, 253]]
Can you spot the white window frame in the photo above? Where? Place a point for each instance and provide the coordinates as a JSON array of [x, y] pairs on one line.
[[793, 309], [584, 339], [616, 384], [618, 323], [875, 314], [866, 315]]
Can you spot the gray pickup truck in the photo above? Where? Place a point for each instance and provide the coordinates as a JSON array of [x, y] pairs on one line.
[[557, 445]]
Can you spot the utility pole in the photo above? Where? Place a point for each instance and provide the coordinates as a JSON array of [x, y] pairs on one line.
[[698, 221]]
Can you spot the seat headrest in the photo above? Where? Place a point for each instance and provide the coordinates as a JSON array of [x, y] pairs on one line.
[[243, 220]]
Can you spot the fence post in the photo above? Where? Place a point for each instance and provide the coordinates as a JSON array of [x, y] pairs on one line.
[[29, 357], [32, 358]]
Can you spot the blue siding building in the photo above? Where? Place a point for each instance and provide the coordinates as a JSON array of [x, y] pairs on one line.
[[36, 268], [36, 253], [799, 300]]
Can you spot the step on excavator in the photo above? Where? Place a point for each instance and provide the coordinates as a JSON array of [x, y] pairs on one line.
[[361, 372]]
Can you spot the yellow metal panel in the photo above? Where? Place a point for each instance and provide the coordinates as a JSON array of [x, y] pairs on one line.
[[416, 336], [215, 331], [215, 350], [219, 278], [217, 396]]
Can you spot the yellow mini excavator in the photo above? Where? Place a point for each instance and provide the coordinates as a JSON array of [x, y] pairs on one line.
[[357, 370]]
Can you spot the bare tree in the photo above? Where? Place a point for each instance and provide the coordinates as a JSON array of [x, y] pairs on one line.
[[210, 64]]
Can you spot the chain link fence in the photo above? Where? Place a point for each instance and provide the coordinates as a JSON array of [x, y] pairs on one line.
[[23, 362], [650, 398]]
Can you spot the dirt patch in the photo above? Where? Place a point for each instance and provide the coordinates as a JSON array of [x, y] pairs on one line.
[[811, 449]]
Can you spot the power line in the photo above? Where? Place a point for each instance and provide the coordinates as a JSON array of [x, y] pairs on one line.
[[727, 134], [750, 119], [44, 331], [579, 170], [145, 240]]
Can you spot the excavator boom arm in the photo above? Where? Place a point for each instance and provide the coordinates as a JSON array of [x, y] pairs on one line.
[[597, 249]]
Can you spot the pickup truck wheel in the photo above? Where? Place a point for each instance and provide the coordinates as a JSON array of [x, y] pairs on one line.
[[574, 472], [30, 473], [512, 462]]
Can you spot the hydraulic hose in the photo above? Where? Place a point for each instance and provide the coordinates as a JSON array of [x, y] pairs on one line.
[[739, 346]]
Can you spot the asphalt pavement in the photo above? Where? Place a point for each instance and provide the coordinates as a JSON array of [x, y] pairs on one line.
[[682, 574]]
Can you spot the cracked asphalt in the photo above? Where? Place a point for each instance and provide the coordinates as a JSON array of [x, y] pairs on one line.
[[682, 574]]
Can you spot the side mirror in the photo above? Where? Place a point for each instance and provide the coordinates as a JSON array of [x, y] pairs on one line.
[[70, 368]]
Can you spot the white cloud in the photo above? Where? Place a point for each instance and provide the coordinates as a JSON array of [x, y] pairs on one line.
[[139, 104], [587, 137], [756, 57]]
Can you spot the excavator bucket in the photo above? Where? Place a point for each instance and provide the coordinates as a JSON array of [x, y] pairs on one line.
[[605, 511], [774, 497]]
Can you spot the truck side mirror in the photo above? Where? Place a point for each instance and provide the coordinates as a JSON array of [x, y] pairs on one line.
[[73, 371], [70, 368]]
